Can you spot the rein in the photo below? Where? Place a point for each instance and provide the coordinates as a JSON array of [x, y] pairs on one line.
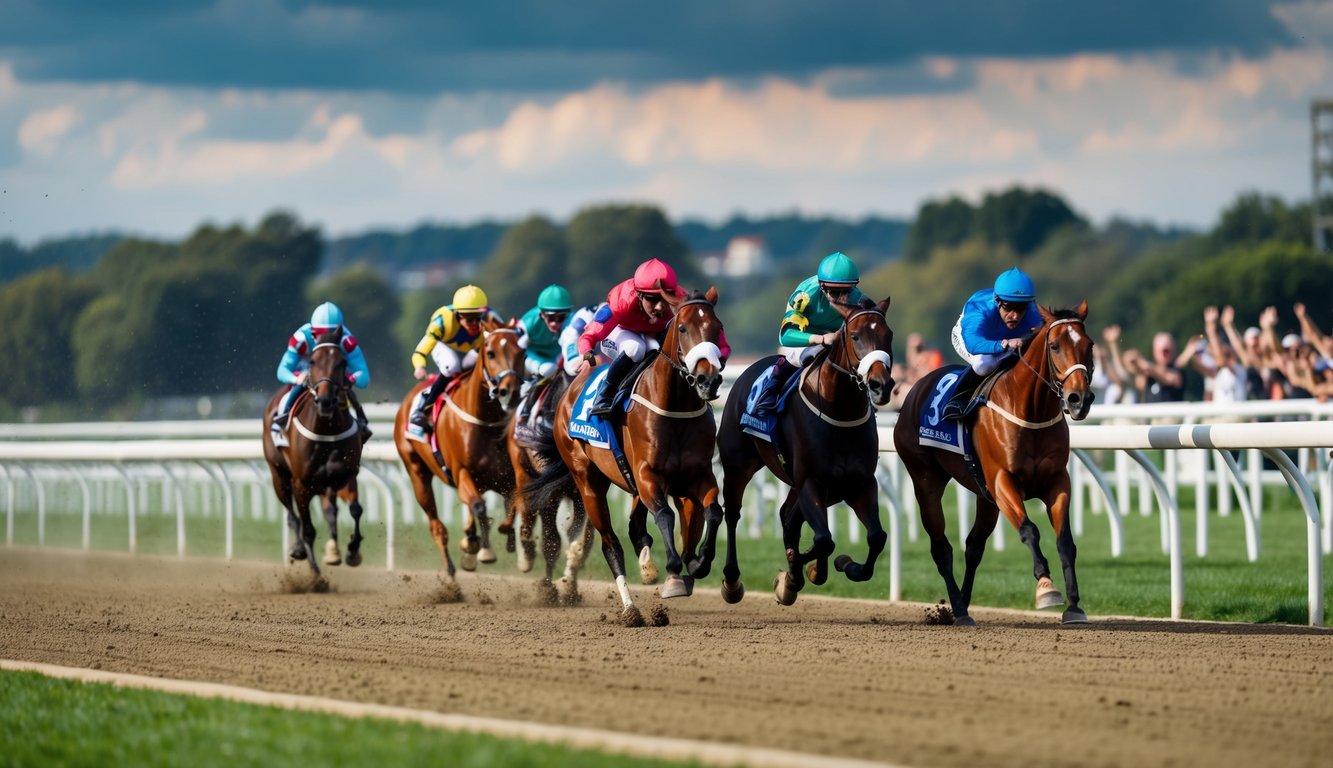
[[493, 382], [863, 365], [682, 363], [341, 388], [1056, 383]]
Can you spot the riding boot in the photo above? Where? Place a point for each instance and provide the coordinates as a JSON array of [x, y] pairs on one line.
[[767, 403], [278, 428], [953, 410], [421, 414], [361, 420], [615, 374]]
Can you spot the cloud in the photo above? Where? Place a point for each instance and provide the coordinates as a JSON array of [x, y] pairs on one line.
[[41, 131]]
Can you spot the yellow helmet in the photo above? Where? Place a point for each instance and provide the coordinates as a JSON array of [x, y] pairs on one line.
[[469, 297]]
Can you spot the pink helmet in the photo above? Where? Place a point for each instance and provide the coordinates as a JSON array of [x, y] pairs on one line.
[[655, 276]]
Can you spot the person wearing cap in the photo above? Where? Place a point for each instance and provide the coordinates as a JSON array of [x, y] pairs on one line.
[[809, 324], [540, 329], [637, 312], [991, 330], [452, 338], [295, 365]]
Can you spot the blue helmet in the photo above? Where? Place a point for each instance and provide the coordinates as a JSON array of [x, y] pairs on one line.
[[1015, 286], [326, 317]]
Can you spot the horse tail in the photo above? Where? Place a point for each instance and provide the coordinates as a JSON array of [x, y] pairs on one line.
[[554, 483]]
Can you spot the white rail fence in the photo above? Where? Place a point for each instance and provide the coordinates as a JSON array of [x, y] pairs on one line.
[[122, 472]]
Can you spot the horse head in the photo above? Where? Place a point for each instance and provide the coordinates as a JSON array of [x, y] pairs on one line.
[[693, 343], [500, 361], [327, 379], [865, 348], [1069, 362]]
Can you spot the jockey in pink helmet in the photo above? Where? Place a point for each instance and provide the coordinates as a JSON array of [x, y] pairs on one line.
[[637, 312]]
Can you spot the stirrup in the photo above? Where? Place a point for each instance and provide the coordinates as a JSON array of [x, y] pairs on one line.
[[279, 438]]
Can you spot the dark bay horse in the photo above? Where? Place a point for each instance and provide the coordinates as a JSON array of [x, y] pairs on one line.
[[1021, 440], [470, 430], [528, 443], [829, 441], [323, 455], [668, 438]]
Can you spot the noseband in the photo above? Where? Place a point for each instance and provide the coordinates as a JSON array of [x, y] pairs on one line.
[[1056, 382], [683, 363], [340, 386], [863, 364]]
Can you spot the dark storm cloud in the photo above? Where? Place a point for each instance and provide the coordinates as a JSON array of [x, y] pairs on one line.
[[543, 45]]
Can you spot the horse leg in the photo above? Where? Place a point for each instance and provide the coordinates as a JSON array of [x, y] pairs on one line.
[[517, 507], [865, 502], [329, 503], [476, 511], [1010, 500], [788, 583], [642, 542], [701, 529], [282, 486], [928, 488], [975, 547], [301, 496], [352, 496], [653, 496], [593, 490], [735, 477], [421, 476], [579, 536], [815, 512], [1057, 505]]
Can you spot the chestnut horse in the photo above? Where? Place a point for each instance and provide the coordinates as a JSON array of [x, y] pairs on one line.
[[668, 439], [829, 442], [525, 443], [1021, 441], [323, 455], [470, 431]]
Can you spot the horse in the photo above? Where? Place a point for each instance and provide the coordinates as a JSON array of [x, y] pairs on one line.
[[1021, 442], [524, 441], [470, 432], [323, 456], [827, 451], [668, 439]]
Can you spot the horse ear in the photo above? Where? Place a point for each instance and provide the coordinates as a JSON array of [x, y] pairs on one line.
[[883, 306], [711, 294], [1046, 314], [1082, 310]]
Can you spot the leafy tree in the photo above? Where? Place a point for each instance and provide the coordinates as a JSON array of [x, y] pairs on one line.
[[531, 255], [128, 262], [370, 307], [108, 356], [1021, 219], [607, 243], [38, 313], [1255, 218], [938, 223]]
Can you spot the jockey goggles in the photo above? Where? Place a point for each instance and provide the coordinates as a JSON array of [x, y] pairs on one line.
[[555, 316], [651, 297], [1012, 306]]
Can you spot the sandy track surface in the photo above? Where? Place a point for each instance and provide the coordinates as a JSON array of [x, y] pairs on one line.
[[841, 678]]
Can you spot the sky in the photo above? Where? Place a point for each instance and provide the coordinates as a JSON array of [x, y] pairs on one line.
[[154, 116]]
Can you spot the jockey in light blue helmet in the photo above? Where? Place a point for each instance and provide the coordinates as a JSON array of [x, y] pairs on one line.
[[295, 364], [991, 329]]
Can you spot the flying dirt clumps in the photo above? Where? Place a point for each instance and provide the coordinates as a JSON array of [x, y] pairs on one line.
[[659, 616], [940, 614], [302, 581]]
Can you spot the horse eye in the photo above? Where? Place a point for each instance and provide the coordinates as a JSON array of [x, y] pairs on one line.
[[856, 337], [490, 354]]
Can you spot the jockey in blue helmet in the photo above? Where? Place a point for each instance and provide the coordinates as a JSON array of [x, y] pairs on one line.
[[991, 328], [295, 364]]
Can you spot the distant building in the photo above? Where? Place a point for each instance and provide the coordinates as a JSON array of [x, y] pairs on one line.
[[435, 274], [745, 255]]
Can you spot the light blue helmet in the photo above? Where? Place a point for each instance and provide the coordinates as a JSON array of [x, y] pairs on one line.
[[1015, 286], [325, 318], [838, 267]]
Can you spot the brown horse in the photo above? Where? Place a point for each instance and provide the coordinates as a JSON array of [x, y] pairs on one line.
[[470, 430], [829, 443], [668, 439], [525, 441], [323, 455], [1021, 441]]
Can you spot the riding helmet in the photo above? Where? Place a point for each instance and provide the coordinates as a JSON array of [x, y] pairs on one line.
[[839, 269], [655, 276], [1014, 285], [469, 297], [554, 298], [325, 317]]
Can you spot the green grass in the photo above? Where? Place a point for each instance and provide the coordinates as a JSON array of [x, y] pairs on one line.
[[1222, 586], [46, 721]]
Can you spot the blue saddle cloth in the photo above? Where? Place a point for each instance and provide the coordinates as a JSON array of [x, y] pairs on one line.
[[936, 431], [766, 427], [595, 430]]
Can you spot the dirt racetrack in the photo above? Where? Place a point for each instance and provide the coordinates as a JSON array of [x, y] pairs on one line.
[[841, 678]]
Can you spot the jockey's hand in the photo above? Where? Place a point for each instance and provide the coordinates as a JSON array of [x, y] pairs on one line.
[[300, 378], [419, 372], [1012, 344]]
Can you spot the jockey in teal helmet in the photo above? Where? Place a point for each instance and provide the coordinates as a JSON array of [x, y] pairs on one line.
[[810, 322], [990, 329], [295, 363], [541, 327]]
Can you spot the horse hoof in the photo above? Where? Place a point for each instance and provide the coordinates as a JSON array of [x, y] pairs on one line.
[[674, 587], [353, 559], [781, 593], [816, 574], [1051, 599], [647, 568], [547, 594], [486, 555], [524, 562], [1074, 616], [468, 561], [733, 593], [331, 554], [841, 563], [296, 554], [509, 539], [632, 617], [964, 621]]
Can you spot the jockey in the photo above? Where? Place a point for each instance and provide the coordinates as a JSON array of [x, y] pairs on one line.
[[569, 337], [991, 328], [452, 339], [636, 312], [295, 364], [810, 322], [540, 327]]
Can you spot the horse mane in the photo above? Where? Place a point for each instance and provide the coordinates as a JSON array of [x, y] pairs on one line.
[[332, 336], [1064, 313], [695, 295]]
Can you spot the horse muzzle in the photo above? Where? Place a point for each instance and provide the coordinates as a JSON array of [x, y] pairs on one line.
[[1078, 403], [880, 390], [708, 385]]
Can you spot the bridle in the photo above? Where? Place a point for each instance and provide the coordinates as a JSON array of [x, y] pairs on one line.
[[493, 381], [862, 364], [339, 386], [1056, 382], [684, 363]]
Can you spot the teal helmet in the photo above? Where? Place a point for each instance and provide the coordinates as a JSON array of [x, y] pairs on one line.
[[554, 298], [1015, 286], [325, 318], [837, 267]]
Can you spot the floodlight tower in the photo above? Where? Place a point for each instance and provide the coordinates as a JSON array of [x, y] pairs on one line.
[[1321, 166]]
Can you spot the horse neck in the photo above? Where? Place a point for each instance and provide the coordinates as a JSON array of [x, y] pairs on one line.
[[665, 387], [337, 421], [1024, 390], [470, 395], [838, 394]]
